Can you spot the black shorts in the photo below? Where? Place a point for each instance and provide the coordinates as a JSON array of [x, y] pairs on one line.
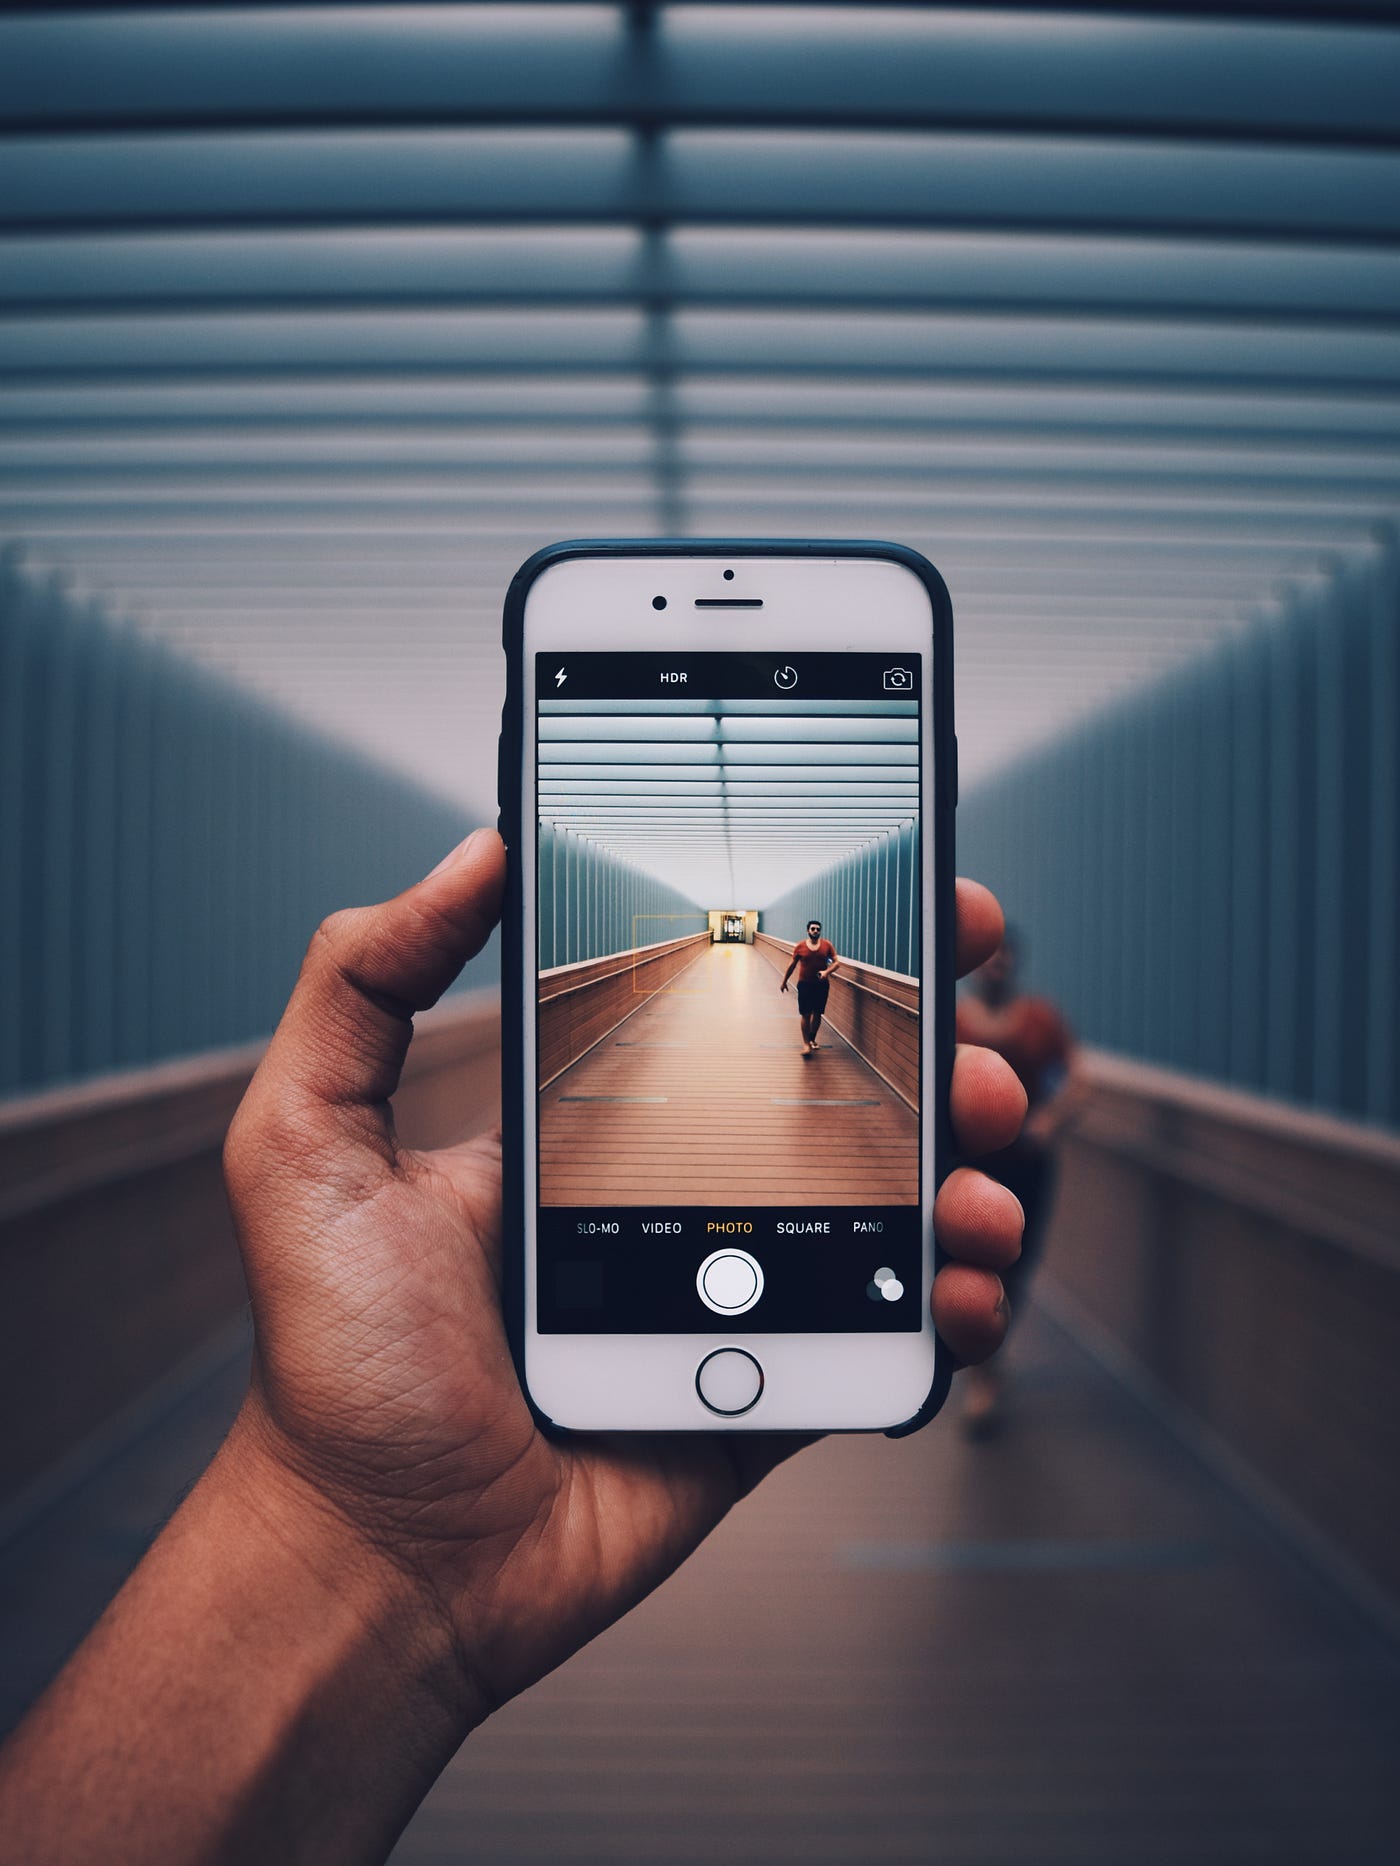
[[811, 998], [1028, 1168]]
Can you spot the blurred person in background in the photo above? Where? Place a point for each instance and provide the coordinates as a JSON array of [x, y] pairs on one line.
[[1031, 1035]]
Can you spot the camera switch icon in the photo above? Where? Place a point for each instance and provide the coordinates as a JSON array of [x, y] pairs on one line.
[[898, 680]]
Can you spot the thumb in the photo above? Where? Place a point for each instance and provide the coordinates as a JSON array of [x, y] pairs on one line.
[[336, 1057]]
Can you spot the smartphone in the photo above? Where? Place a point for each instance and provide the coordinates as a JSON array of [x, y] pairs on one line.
[[727, 783]]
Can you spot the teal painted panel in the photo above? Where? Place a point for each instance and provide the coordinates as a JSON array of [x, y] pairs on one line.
[[167, 846], [867, 904], [1209, 876], [592, 903]]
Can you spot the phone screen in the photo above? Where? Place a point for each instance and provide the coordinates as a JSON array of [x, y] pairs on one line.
[[729, 937]]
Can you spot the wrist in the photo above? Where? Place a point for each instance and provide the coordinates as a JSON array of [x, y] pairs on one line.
[[265, 1686], [376, 1611]]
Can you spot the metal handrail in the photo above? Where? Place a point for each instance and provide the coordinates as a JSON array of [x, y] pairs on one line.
[[600, 978], [909, 1010]]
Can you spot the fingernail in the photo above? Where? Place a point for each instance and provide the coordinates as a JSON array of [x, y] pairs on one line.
[[1019, 1207], [1002, 1304], [455, 854]]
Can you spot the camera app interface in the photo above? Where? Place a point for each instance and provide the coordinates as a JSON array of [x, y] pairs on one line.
[[728, 992]]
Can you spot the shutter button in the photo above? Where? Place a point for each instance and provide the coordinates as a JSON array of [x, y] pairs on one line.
[[729, 1281]]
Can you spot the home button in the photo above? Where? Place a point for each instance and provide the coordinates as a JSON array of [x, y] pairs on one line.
[[729, 1381]]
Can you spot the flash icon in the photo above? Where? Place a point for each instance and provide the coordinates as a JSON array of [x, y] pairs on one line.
[[560, 678]]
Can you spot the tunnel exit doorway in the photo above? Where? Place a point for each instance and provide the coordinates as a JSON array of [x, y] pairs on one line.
[[732, 926]]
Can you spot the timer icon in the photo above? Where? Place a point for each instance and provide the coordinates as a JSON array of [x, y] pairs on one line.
[[785, 677]]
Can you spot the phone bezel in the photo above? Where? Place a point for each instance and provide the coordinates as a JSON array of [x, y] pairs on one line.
[[599, 596]]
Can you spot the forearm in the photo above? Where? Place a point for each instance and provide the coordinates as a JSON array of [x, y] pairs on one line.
[[264, 1687]]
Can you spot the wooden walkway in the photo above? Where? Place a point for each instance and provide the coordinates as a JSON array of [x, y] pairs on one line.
[[1068, 1647], [705, 1094]]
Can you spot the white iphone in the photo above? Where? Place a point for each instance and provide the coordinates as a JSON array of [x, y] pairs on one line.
[[728, 778]]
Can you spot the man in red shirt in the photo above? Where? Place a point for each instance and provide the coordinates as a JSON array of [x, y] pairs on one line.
[[814, 960]]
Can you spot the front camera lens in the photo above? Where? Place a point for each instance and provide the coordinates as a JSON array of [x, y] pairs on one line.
[[658, 602], [729, 576]]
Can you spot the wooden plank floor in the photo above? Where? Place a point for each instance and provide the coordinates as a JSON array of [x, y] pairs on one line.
[[1068, 1647], [705, 1095]]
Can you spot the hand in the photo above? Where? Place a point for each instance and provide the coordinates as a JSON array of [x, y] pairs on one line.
[[383, 1393], [783, 986]]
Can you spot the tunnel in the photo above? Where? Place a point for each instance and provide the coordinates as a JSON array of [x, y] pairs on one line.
[[658, 1041], [316, 322]]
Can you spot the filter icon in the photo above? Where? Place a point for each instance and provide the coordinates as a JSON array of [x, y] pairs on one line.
[[884, 1286]]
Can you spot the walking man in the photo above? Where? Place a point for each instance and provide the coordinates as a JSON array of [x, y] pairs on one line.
[[814, 960]]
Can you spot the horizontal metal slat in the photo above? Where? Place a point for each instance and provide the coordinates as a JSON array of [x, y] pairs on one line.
[[700, 65], [461, 177]]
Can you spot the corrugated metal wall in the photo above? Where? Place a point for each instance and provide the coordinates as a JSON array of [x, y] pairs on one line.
[[1207, 877], [593, 903], [868, 904], [167, 845]]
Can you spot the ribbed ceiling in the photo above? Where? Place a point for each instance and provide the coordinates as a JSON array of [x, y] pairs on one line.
[[733, 800], [315, 322]]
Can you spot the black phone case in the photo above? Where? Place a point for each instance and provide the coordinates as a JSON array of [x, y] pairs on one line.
[[516, 974]]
